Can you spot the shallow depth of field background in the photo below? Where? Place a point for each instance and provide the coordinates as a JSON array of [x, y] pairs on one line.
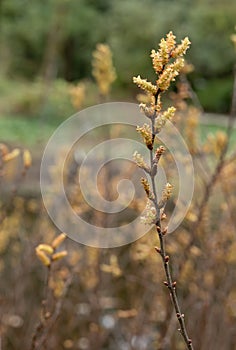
[[116, 298]]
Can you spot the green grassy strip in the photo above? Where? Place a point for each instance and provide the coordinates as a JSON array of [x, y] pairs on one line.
[[24, 131], [29, 132]]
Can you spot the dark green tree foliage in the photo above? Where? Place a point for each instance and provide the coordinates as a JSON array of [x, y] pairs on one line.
[[55, 38]]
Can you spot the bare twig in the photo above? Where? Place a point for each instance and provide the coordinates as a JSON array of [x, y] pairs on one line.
[[169, 283], [48, 319]]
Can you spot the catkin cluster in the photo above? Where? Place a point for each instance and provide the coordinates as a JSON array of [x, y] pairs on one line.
[[103, 69], [47, 253], [167, 63]]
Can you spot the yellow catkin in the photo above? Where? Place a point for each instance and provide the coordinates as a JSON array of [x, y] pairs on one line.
[[103, 69], [150, 214], [170, 73], [146, 186], [127, 313], [166, 193], [45, 248], [43, 257], [140, 161], [169, 114], [13, 154], [145, 85], [58, 240], [27, 159], [59, 255], [181, 49], [146, 132], [159, 152]]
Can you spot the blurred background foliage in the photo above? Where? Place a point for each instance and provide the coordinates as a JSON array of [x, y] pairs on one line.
[[51, 41], [116, 299]]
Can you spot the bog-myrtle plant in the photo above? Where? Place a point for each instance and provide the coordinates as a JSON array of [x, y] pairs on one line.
[[56, 287], [103, 70], [167, 62]]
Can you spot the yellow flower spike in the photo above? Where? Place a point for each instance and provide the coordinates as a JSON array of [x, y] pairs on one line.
[[58, 240], [159, 152], [170, 73], [164, 79], [169, 114], [45, 248], [150, 214], [162, 56], [13, 154], [59, 255], [170, 40], [145, 85], [162, 118], [168, 190], [146, 187], [178, 64], [103, 70], [140, 161], [156, 61], [27, 159], [43, 257], [166, 193], [146, 132], [164, 51], [181, 49]]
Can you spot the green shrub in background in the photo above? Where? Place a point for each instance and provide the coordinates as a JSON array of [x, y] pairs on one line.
[[60, 41], [34, 99], [215, 94]]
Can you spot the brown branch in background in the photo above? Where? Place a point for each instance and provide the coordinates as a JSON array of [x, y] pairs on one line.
[[220, 165], [50, 322], [222, 160], [41, 325], [219, 175], [48, 319]]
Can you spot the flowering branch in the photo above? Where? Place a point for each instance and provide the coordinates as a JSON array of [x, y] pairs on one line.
[[167, 63], [48, 255]]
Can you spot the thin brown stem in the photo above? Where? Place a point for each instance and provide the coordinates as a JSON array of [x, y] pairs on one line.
[[48, 317], [41, 325], [171, 285], [55, 313]]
